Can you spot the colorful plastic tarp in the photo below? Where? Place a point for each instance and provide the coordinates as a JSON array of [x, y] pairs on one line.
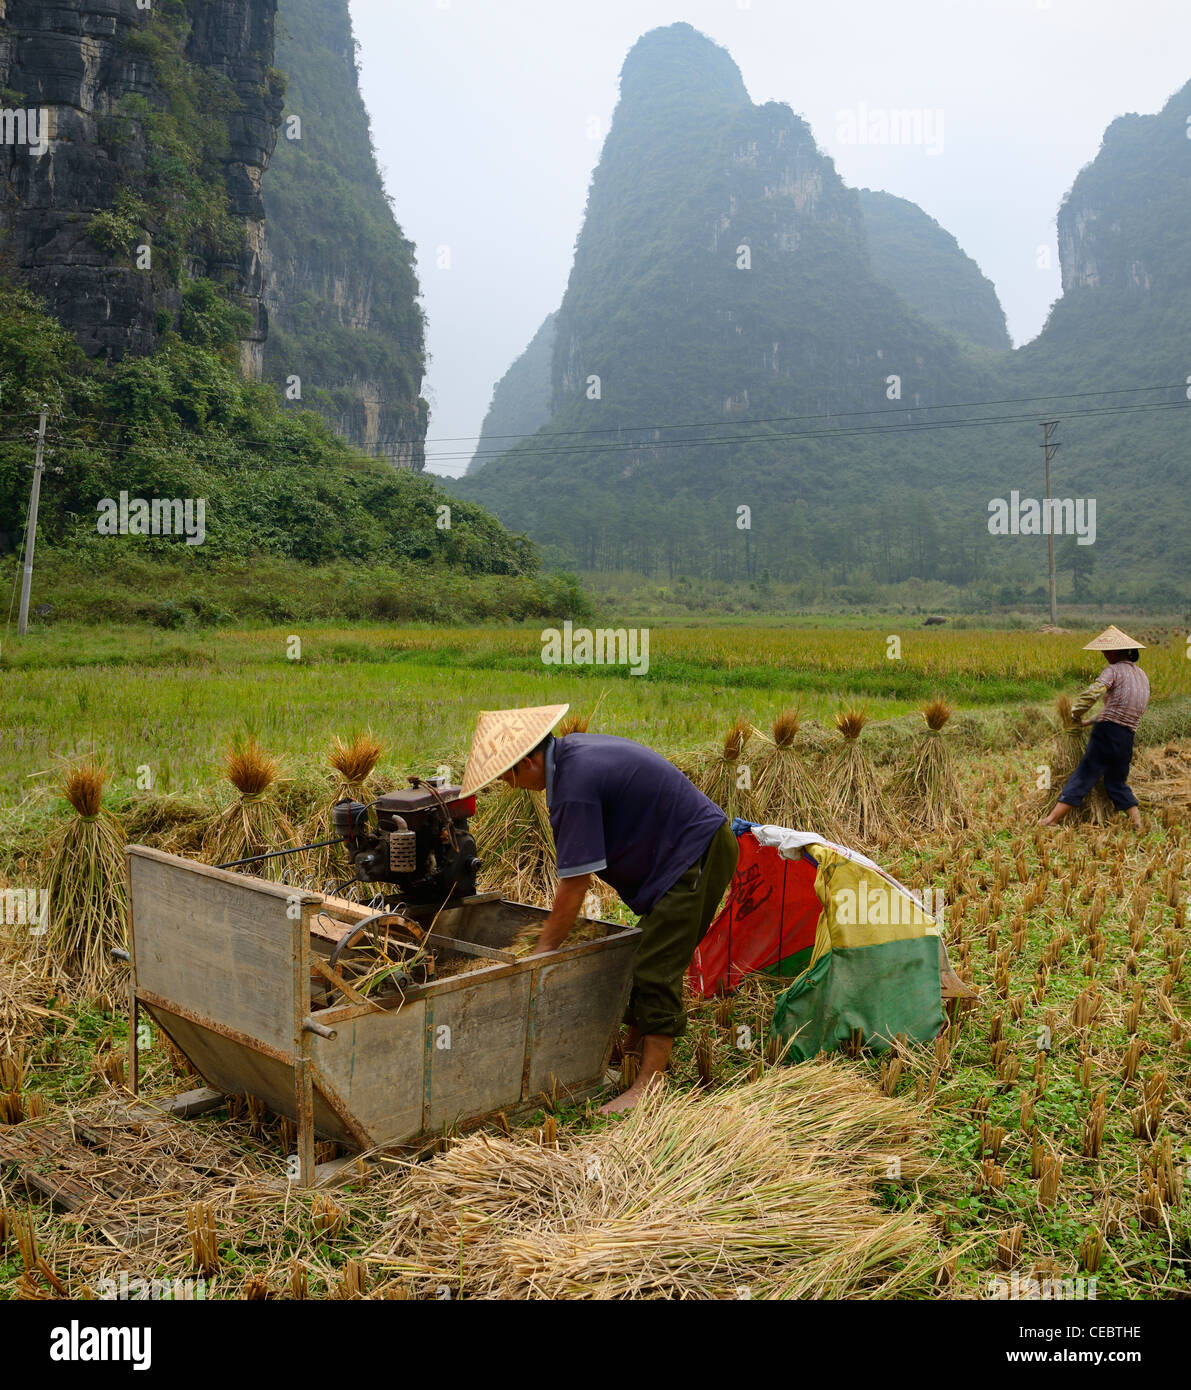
[[863, 952]]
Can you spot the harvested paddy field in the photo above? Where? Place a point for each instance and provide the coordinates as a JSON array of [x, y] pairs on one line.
[[1045, 1132]]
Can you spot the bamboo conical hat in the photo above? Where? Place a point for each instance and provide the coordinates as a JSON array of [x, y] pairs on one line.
[[1112, 639], [502, 738]]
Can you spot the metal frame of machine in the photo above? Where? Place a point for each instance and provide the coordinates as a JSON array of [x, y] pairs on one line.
[[224, 964]]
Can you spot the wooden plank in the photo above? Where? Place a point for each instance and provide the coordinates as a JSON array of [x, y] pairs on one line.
[[134, 1061], [341, 984], [580, 1003], [373, 1068], [338, 1173], [284, 893], [220, 945], [91, 1185], [334, 930], [493, 923], [342, 907], [329, 931], [30, 1150], [477, 1065], [235, 1069], [197, 1102], [470, 948]]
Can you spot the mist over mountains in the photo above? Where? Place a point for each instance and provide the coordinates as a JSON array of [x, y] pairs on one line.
[[741, 330]]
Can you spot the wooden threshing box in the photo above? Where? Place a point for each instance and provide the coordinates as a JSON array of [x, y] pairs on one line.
[[234, 970]]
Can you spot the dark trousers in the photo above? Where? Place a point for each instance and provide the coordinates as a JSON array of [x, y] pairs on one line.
[[1108, 755], [670, 932]]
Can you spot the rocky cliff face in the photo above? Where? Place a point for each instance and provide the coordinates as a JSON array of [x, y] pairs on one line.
[[114, 170], [722, 275], [341, 285], [722, 256], [1120, 226]]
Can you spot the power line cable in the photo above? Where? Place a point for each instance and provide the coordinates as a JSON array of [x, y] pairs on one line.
[[847, 432], [827, 415]]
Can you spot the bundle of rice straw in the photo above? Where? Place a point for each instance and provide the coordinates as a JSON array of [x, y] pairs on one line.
[[763, 1189], [22, 985], [515, 842], [83, 869], [253, 823], [928, 784], [515, 845], [1162, 776], [857, 802], [1063, 752], [725, 774], [354, 764], [784, 792], [166, 821]]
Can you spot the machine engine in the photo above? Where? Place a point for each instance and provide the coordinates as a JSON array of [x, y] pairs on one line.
[[417, 839]]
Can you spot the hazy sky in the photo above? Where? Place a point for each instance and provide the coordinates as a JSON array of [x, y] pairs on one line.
[[484, 110]]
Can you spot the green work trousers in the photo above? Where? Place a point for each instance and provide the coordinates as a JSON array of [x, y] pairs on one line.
[[670, 933]]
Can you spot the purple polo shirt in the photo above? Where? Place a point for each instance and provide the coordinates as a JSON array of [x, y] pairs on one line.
[[620, 810]]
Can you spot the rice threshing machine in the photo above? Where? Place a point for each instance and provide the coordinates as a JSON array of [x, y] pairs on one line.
[[373, 1026]]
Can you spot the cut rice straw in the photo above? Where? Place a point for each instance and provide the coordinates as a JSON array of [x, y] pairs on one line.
[[858, 804], [354, 763], [765, 1187], [254, 823], [515, 845], [83, 870], [784, 791], [927, 788]]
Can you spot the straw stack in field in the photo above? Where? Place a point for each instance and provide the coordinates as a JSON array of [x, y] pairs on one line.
[[515, 842], [166, 821], [355, 762], [253, 823], [353, 765], [1161, 777], [785, 792], [515, 845], [1063, 752], [857, 802], [726, 774], [766, 1186], [83, 870], [22, 985], [927, 789]]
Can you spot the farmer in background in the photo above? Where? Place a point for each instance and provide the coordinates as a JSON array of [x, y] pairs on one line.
[[619, 810], [1125, 689]]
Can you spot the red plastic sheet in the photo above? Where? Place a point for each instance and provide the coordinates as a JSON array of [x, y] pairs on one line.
[[772, 913]]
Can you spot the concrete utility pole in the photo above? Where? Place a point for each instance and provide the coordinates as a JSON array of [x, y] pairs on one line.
[[31, 528], [1049, 448]]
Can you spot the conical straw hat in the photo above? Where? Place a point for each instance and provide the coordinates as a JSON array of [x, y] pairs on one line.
[[502, 738], [1112, 639]]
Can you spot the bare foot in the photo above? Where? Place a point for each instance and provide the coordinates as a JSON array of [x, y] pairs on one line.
[[622, 1104], [655, 1058]]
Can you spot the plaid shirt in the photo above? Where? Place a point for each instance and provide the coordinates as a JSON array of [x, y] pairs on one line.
[[1126, 691]]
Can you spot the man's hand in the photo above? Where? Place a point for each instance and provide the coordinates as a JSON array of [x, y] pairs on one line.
[[568, 899]]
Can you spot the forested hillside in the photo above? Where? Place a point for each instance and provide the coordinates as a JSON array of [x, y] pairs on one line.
[[760, 374], [520, 400], [926, 265], [131, 307], [341, 282]]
